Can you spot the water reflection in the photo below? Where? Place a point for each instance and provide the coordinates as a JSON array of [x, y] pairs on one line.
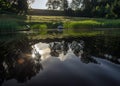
[[22, 68], [62, 59], [19, 71], [86, 58], [63, 47], [106, 47], [58, 48], [66, 64], [40, 51], [25, 71], [62, 50]]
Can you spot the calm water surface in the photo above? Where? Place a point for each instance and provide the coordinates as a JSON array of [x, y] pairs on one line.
[[73, 62]]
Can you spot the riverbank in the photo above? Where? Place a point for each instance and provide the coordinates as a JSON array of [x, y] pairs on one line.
[[51, 22], [42, 27]]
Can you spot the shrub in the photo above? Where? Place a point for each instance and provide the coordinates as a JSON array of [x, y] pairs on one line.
[[35, 27], [41, 28]]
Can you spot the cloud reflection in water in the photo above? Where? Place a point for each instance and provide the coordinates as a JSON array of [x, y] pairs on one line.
[[61, 50]]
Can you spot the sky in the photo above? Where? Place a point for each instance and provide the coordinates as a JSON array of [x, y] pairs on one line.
[[40, 4]]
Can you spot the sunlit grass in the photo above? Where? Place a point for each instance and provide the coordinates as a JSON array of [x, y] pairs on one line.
[[81, 24], [46, 18], [76, 22]]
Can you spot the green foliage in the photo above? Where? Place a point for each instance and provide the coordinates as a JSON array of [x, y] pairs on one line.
[[10, 6], [35, 27], [9, 26], [93, 23], [116, 8], [81, 24], [76, 22], [4, 5], [111, 15], [96, 8], [41, 28], [111, 23]]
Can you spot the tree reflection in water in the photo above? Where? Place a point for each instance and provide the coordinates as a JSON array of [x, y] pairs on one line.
[[21, 69], [105, 47], [14, 66], [76, 47], [58, 47], [88, 59]]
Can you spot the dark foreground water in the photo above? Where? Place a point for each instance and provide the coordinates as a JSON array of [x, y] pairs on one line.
[[92, 61]]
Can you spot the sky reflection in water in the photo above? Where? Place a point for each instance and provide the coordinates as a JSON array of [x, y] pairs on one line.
[[61, 63]]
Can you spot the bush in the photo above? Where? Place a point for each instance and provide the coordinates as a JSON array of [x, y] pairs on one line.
[[41, 28], [35, 27], [9, 26]]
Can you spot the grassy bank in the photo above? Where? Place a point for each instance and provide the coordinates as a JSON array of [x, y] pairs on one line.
[[73, 26], [73, 22], [68, 22]]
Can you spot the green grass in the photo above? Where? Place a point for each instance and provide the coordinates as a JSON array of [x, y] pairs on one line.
[[82, 24], [75, 22], [73, 26], [68, 22]]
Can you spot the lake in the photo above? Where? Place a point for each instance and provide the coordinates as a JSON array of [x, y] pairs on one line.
[[75, 61]]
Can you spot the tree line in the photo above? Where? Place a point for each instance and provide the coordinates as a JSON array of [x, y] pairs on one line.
[[80, 8], [87, 8]]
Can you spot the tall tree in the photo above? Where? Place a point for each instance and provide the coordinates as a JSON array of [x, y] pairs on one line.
[[116, 8], [53, 4], [64, 4], [22, 6], [15, 5], [76, 4], [97, 8], [57, 4], [4, 5]]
